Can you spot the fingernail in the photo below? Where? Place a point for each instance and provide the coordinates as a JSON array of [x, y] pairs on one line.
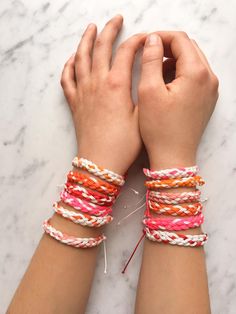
[[152, 40]]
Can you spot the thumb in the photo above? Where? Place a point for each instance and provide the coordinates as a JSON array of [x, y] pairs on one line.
[[152, 61]]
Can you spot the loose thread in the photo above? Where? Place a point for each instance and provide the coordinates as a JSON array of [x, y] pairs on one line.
[[105, 257], [135, 249], [130, 214]]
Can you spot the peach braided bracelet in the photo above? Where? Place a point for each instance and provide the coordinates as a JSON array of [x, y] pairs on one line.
[[102, 173], [181, 172], [71, 240], [92, 183], [175, 198], [175, 183]]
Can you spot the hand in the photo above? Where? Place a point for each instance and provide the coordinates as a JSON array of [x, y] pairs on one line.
[[99, 96], [173, 116]]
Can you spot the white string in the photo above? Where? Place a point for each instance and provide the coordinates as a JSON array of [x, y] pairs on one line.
[[130, 214], [105, 257]]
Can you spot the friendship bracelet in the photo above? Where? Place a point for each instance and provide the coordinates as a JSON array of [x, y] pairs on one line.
[[92, 183], [83, 205], [102, 173], [175, 183], [175, 210], [175, 198], [92, 196], [173, 224], [181, 172], [71, 240], [176, 239], [82, 219]]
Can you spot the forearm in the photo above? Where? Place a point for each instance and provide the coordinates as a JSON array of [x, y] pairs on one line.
[[173, 279], [59, 277]]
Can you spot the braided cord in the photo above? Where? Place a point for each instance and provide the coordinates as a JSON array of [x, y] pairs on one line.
[[175, 198], [174, 224], [176, 239], [83, 205], [82, 219], [175, 210], [91, 196], [181, 172], [71, 240], [92, 183], [175, 183], [102, 173]]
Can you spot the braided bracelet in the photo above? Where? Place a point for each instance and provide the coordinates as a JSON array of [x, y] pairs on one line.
[[102, 173], [83, 205], [92, 183], [175, 210], [175, 183], [91, 196], [71, 240], [175, 198], [176, 239], [181, 172], [173, 224], [80, 218]]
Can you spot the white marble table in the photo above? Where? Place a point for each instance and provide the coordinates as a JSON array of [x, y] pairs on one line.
[[37, 139]]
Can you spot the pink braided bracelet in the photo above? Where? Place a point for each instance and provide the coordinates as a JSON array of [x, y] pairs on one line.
[[83, 205], [71, 240], [173, 224]]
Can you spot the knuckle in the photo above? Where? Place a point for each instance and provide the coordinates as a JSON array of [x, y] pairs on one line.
[[99, 42], [215, 82], [150, 55], [199, 72], [146, 89], [114, 82]]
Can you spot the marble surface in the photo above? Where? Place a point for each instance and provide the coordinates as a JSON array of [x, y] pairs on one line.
[[37, 139]]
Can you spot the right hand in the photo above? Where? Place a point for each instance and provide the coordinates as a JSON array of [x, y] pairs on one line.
[[173, 116]]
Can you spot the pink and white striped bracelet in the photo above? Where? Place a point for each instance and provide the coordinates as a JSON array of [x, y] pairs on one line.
[[180, 172], [71, 240]]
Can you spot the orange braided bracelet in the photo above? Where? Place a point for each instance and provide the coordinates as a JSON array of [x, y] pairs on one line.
[[175, 183], [175, 210], [92, 183]]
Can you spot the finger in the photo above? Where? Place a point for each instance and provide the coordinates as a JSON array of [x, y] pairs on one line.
[[124, 58], [201, 55], [103, 46], [178, 45], [83, 55], [68, 80], [152, 60]]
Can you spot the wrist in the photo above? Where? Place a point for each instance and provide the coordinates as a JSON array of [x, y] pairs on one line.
[[165, 161], [104, 159]]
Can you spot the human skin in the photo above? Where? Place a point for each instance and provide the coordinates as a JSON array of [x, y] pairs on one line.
[[172, 119]]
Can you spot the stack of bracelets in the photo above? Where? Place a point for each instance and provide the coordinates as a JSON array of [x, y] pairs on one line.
[[91, 194], [186, 206]]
